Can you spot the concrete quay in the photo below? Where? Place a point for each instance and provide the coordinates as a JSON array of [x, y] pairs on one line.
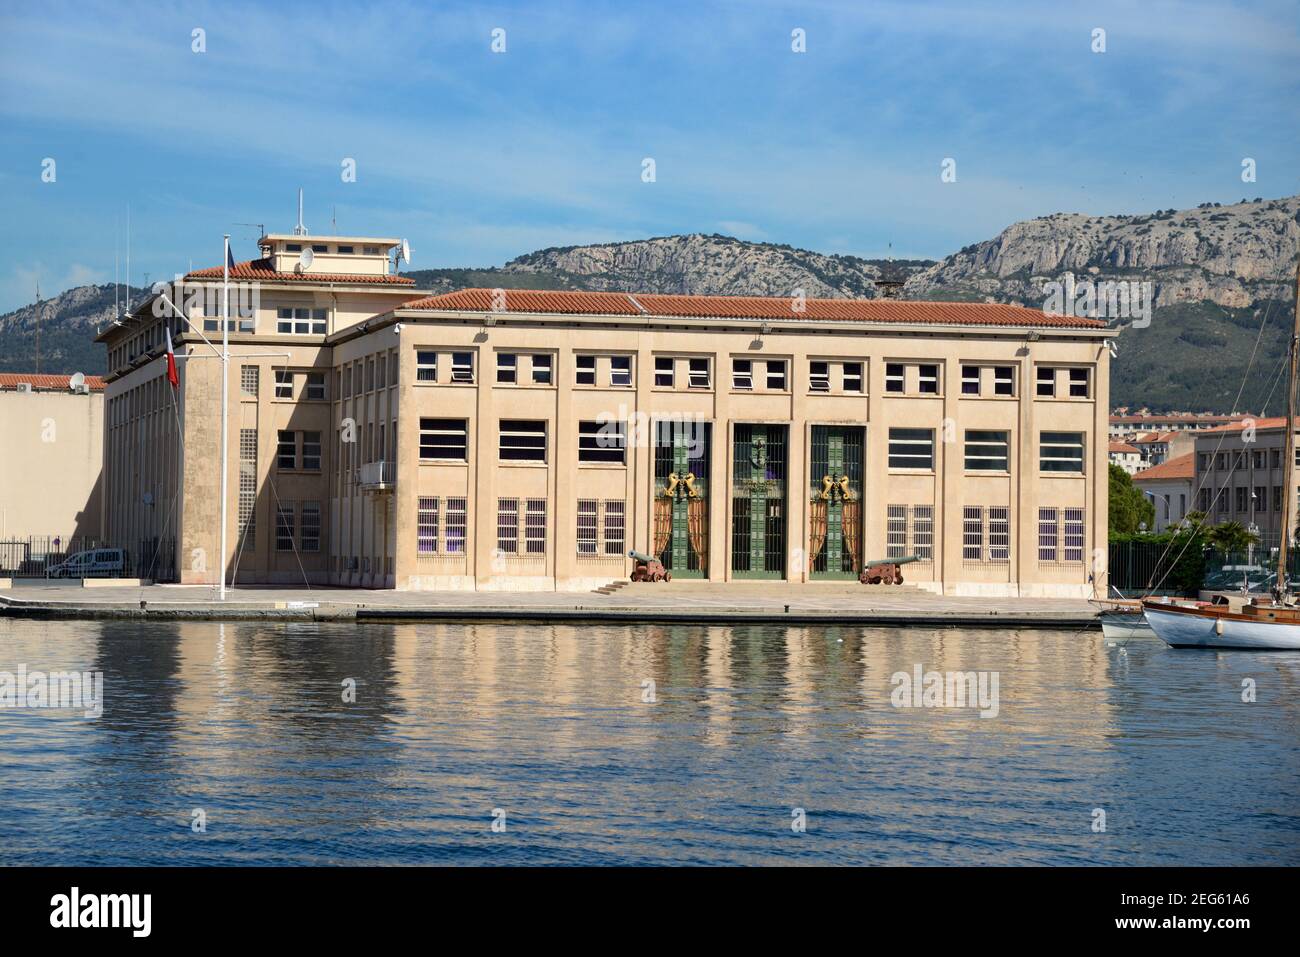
[[685, 602]]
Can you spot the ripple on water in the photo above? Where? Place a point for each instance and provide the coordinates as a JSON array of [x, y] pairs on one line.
[[548, 723]]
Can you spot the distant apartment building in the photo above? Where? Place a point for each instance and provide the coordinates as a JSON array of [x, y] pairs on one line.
[[1129, 426], [514, 439], [1169, 487], [1240, 475], [1126, 456], [51, 438], [1158, 447]]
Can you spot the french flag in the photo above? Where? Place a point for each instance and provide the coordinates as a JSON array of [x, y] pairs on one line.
[[172, 377]]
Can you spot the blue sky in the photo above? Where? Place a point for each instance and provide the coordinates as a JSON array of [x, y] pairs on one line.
[[477, 156]]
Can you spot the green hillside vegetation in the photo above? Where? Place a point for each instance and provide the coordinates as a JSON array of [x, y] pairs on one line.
[[1193, 357], [67, 342]]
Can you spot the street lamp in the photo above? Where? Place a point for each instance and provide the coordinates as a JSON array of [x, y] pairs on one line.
[[1168, 504]]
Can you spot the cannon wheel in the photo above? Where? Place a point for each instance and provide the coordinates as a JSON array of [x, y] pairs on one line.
[[668, 576], [898, 577]]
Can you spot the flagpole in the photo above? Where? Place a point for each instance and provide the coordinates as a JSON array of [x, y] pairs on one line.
[[225, 403]]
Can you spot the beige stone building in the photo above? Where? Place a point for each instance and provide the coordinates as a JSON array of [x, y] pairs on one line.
[[1240, 476], [51, 444], [513, 439]]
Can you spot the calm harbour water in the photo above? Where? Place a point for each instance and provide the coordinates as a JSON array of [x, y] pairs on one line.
[[246, 721]]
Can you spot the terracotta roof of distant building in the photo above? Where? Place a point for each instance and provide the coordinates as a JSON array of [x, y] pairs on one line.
[[263, 271], [1138, 419], [1156, 437], [43, 382], [560, 302], [1179, 467], [1123, 447], [1260, 424]]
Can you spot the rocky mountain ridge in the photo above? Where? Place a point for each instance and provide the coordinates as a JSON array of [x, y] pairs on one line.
[[1232, 256], [1218, 275]]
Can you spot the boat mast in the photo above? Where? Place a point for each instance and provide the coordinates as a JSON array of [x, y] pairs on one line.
[[1280, 586]]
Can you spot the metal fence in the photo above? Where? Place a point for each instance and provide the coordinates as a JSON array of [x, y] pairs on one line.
[[84, 557], [1135, 566]]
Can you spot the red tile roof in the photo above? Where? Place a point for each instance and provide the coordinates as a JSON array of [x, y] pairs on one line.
[[262, 270], [1260, 424], [1171, 417], [1179, 467], [10, 380], [1157, 436], [748, 307], [1123, 447]]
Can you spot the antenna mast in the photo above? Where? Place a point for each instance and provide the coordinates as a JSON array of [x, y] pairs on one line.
[[128, 257], [1288, 518], [300, 229], [38, 327]]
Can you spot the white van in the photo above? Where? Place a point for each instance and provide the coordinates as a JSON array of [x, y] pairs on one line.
[[96, 563]]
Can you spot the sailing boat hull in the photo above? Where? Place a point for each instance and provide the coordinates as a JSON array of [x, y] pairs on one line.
[[1120, 626], [1198, 628]]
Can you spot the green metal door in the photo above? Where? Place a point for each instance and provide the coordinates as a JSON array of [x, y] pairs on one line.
[[680, 513], [835, 507], [758, 517]]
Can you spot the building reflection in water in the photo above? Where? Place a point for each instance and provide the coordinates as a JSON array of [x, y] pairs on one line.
[[549, 721]]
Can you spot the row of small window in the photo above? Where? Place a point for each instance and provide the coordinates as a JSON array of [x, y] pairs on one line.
[[302, 322], [342, 250], [141, 343], [241, 324], [923, 379], [522, 440], [1243, 499], [986, 533], [617, 369], [426, 366], [441, 525], [366, 375], [152, 397], [290, 321], [1231, 461], [986, 450], [289, 384], [771, 373]]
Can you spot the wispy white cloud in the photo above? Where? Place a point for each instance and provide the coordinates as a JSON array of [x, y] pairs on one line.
[[19, 284], [479, 157]]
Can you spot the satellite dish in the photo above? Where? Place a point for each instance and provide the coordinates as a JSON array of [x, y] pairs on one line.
[[406, 251], [305, 259], [76, 381]]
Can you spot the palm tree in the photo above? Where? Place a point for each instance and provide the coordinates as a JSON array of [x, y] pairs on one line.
[[1229, 537]]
